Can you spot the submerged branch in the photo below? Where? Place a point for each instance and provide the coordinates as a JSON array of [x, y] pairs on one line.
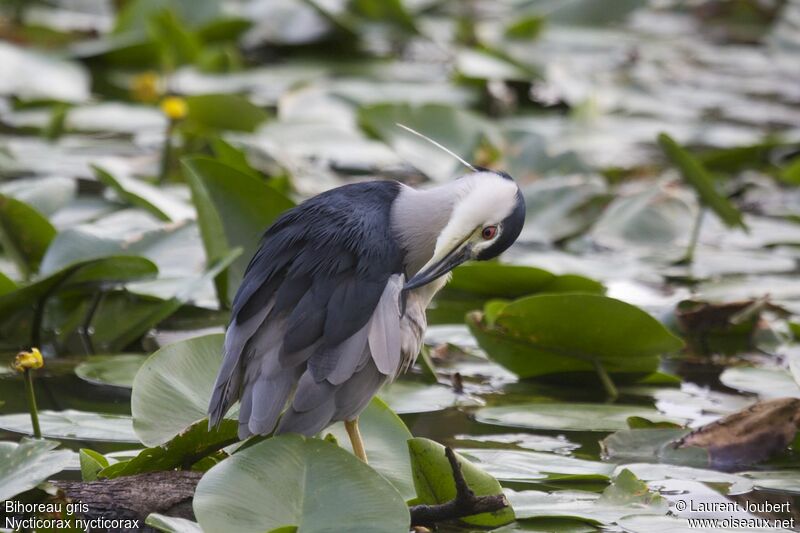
[[465, 503]]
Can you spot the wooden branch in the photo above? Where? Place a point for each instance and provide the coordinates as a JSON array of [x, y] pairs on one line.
[[464, 504], [135, 497]]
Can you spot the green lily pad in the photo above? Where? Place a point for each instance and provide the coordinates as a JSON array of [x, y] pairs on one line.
[[149, 197], [182, 451], [625, 496], [433, 479], [117, 370], [698, 177], [74, 425], [735, 483], [385, 437], [766, 382], [460, 131], [652, 444], [25, 464], [24, 234], [172, 389], [568, 416], [234, 208], [525, 466], [172, 524], [777, 480], [224, 112], [293, 482], [558, 333]]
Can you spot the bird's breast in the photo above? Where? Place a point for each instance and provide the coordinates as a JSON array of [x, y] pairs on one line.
[[414, 322]]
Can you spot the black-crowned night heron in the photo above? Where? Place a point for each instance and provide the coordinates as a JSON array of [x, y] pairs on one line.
[[333, 303]]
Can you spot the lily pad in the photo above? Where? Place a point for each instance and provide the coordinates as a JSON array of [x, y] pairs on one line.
[[234, 209], [460, 131], [74, 425], [25, 464], [149, 197], [172, 389], [698, 177], [116, 370], [24, 233], [172, 524], [289, 482], [385, 439], [766, 382], [625, 496], [567, 416], [557, 333], [433, 479], [525, 466]]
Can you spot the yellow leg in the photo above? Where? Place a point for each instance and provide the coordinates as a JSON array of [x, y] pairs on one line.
[[355, 438]]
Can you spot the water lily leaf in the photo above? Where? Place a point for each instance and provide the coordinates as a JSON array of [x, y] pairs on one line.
[[735, 483], [385, 437], [34, 76], [625, 496], [47, 195], [182, 451], [547, 334], [172, 524], [116, 370], [777, 480], [406, 396], [460, 131], [433, 479], [149, 197], [652, 444], [766, 382], [561, 207], [172, 389], [136, 14], [234, 208], [24, 234], [91, 463], [92, 271], [567, 416], [497, 280], [224, 112], [74, 425], [327, 489], [698, 177], [25, 464], [526, 466]]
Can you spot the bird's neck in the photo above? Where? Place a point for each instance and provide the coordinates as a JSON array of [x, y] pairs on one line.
[[420, 215]]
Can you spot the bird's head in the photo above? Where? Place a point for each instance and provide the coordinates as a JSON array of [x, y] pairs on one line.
[[486, 219]]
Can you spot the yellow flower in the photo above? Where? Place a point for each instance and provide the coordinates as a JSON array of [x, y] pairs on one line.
[[145, 87], [174, 107], [28, 360]]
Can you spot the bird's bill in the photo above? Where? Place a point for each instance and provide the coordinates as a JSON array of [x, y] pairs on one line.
[[435, 269]]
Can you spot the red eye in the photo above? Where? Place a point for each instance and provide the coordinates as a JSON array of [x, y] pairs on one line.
[[489, 232]]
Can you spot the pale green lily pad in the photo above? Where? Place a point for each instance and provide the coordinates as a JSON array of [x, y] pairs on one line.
[[766, 382], [290, 481], [568, 416], [625, 496], [117, 370], [25, 464], [385, 437], [74, 425], [173, 388], [172, 524], [526, 466]]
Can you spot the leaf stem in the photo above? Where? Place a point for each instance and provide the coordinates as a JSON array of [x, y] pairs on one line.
[[28, 375], [698, 222], [605, 379]]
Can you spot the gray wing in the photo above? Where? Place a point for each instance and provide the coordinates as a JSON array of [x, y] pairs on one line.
[[316, 320]]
